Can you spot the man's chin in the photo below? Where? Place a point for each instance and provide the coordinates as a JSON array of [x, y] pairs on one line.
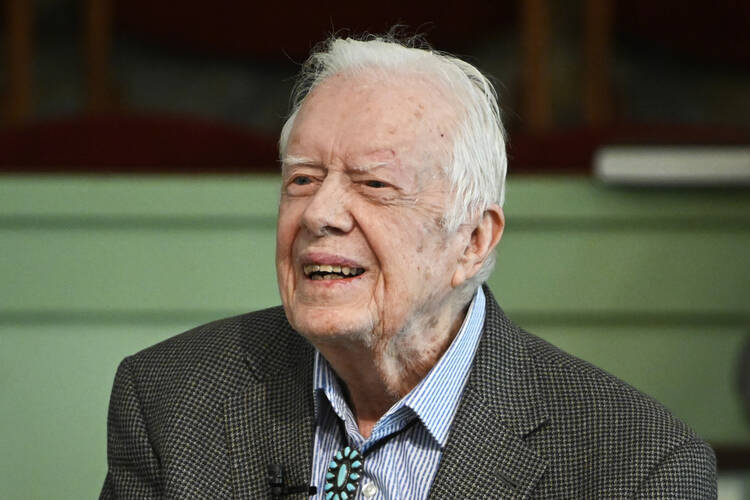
[[334, 331]]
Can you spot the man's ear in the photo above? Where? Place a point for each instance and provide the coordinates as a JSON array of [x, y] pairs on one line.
[[482, 241]]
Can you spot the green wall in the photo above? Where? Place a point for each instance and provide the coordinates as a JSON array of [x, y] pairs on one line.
[[652, 285]]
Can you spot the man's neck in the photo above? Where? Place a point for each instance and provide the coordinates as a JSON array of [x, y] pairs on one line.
[[376, 377]]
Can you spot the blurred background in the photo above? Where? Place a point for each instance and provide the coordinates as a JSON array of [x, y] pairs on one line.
[[138, 192]]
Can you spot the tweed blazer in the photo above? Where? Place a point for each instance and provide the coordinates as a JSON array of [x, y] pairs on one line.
[[203, 414]]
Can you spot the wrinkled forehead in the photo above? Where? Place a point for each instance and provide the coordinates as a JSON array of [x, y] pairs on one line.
[[370, 114], [418, 94]]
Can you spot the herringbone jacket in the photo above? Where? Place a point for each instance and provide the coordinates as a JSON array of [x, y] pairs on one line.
[[203, 414]]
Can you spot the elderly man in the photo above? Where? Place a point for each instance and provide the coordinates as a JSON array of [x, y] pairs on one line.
[[390, 372]]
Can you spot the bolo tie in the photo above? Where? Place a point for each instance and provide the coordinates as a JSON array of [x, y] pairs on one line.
[[345, 469]]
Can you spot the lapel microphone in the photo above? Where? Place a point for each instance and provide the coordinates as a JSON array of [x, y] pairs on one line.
[[276, 482]]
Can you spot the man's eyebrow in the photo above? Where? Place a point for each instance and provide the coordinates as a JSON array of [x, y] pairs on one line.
[[365, 165], [371, 159], [290, 160], [362, 165]]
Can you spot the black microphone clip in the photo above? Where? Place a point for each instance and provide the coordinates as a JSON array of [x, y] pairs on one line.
[[276, 482]]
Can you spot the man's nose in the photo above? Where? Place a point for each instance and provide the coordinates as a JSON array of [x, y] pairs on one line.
[[328, 210]]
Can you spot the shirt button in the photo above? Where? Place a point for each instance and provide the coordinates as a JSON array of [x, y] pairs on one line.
[[370, 490]]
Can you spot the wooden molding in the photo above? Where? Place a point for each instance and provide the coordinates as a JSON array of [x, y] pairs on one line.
[[18, 87], [597, 95], [101, 95], [536, 111]]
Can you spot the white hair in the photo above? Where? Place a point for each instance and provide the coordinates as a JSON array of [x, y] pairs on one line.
[[477, 165]]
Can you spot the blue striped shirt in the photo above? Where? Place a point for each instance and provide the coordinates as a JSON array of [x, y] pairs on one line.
[[404, 466]]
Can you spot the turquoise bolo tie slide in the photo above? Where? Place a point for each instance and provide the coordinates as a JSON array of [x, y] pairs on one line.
[[344, 473]]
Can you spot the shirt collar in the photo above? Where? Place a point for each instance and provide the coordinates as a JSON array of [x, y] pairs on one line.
[[436, 397], [326, 386]]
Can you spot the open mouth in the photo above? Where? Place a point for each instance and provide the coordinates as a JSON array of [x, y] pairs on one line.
[[328, 272]]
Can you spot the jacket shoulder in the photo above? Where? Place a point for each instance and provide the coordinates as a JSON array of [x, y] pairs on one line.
[[224, 339], [187, 378], [215, 359], [567, 380], [170, 396], [599, 426]]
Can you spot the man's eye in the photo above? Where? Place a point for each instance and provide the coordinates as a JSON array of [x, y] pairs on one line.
[[376, 184], [301, 180]]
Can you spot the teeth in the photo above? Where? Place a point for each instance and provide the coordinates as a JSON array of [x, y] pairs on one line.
[[309, 269]]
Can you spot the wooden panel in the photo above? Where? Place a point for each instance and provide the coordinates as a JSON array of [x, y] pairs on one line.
[[206, 246], [137, 270], [652, 285], [55, 382], [580, 200], [153, 267], [532, 201], [624, 271], [129, 196]]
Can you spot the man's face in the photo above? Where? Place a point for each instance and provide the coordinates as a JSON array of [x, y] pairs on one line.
[[360, 252]]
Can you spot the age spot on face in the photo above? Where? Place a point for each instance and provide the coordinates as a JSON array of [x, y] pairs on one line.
[[433, 322]]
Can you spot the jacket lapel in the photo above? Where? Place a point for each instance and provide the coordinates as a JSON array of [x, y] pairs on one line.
[[271, 421], [486, 454]]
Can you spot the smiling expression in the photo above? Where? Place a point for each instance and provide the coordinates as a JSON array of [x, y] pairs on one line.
[[361, 254]]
